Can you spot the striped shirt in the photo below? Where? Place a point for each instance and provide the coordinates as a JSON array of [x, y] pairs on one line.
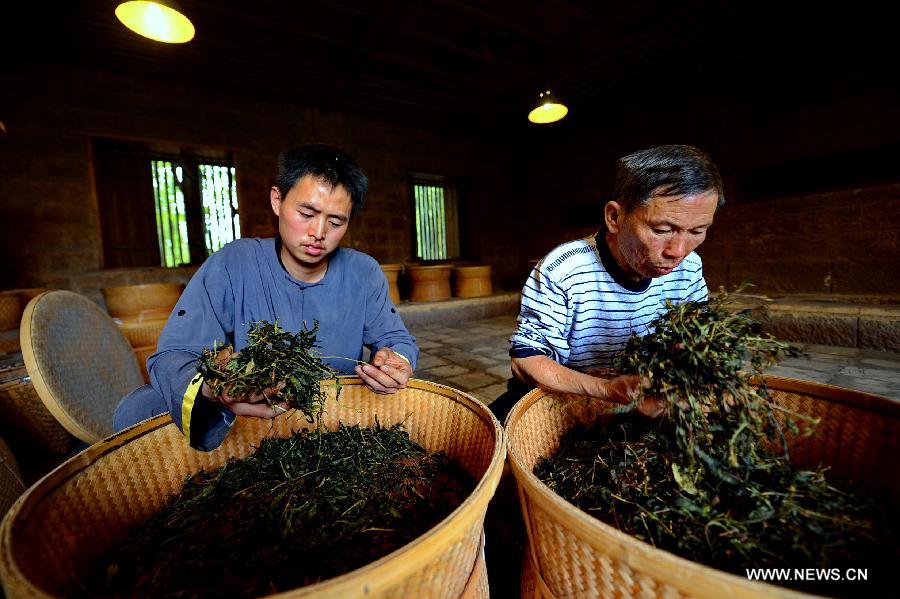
[[579, 308]]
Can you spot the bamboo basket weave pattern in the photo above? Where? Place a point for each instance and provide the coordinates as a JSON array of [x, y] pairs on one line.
[[141, 333], [11, 485], [573, 554], [92, 501], [25, 417], [10, 311]]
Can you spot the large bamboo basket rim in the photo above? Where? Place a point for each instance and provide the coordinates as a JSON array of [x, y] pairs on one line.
[[358, 582], [642, 555]]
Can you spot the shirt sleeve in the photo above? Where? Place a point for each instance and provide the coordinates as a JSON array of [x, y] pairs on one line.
[[544, 320], [383, 326], [201, 319]]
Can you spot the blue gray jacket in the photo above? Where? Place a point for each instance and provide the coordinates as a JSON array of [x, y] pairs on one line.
[[246, 282]]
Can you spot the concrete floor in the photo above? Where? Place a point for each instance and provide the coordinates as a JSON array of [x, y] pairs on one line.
[[473, 357]]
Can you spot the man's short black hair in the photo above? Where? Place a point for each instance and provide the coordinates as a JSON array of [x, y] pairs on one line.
[[332, 165], [672, 170]]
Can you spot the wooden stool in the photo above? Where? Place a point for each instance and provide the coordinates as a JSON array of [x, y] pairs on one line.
[[472, 281], [429, 283], [391, 272]]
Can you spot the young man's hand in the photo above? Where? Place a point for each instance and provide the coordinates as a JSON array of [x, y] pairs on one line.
[[386, 373], [258, 403]]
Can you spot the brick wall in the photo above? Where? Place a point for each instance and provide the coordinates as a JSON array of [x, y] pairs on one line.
[[844, 242], [526, 193], [50, 230]]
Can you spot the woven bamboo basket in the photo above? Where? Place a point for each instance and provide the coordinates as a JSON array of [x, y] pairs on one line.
[[26, 420], [429, 283], [141, 354], [132, 300], [88, 504], [26, 293], [11, 307], [572, 554], [391, 273], [142, 332], [472, 281], [11, 485]]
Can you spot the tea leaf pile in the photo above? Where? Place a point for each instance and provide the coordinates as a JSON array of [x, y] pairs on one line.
[[712, 480]]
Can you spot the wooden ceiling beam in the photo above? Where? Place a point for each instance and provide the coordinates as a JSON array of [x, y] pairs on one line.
[[383, 11]]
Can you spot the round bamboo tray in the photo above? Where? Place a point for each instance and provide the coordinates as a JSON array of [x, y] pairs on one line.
[[134, 300], [84, 507], [10, 311], [391, 273], [26, 420], [429, 283], [572, 554], [472, 281], [80, 364]]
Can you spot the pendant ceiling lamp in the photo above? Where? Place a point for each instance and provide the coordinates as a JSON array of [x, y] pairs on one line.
[[159, 20], [548, 109]]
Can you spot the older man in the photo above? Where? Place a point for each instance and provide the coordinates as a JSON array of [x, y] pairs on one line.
[[583, 301], [301, 276]]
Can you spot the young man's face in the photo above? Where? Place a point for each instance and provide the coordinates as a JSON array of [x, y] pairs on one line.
[[312, 220], [652, 239]]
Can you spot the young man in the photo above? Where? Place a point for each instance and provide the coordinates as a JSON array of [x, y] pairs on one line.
[[299, 277], [585, 298]]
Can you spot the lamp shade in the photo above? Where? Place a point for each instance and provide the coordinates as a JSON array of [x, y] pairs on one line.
[[159, 20], [548, 109]]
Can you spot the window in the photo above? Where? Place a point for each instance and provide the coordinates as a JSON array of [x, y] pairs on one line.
[[436, 218], [163, 206]]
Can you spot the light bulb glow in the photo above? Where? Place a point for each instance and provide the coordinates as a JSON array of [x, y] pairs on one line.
[[155, 21], [549, 112]]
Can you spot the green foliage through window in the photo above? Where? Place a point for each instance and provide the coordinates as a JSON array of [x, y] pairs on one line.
[[171, 219], [218, 200], [220, 216], [431, 222]]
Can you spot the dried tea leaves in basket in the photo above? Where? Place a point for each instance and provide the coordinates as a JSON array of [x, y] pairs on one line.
[[299, 510], [712, 481]]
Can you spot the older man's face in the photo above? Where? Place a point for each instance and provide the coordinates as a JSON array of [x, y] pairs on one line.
[[651, 240]]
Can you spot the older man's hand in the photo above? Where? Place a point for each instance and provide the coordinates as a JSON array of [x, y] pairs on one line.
[[386, 373], [624, 389]]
